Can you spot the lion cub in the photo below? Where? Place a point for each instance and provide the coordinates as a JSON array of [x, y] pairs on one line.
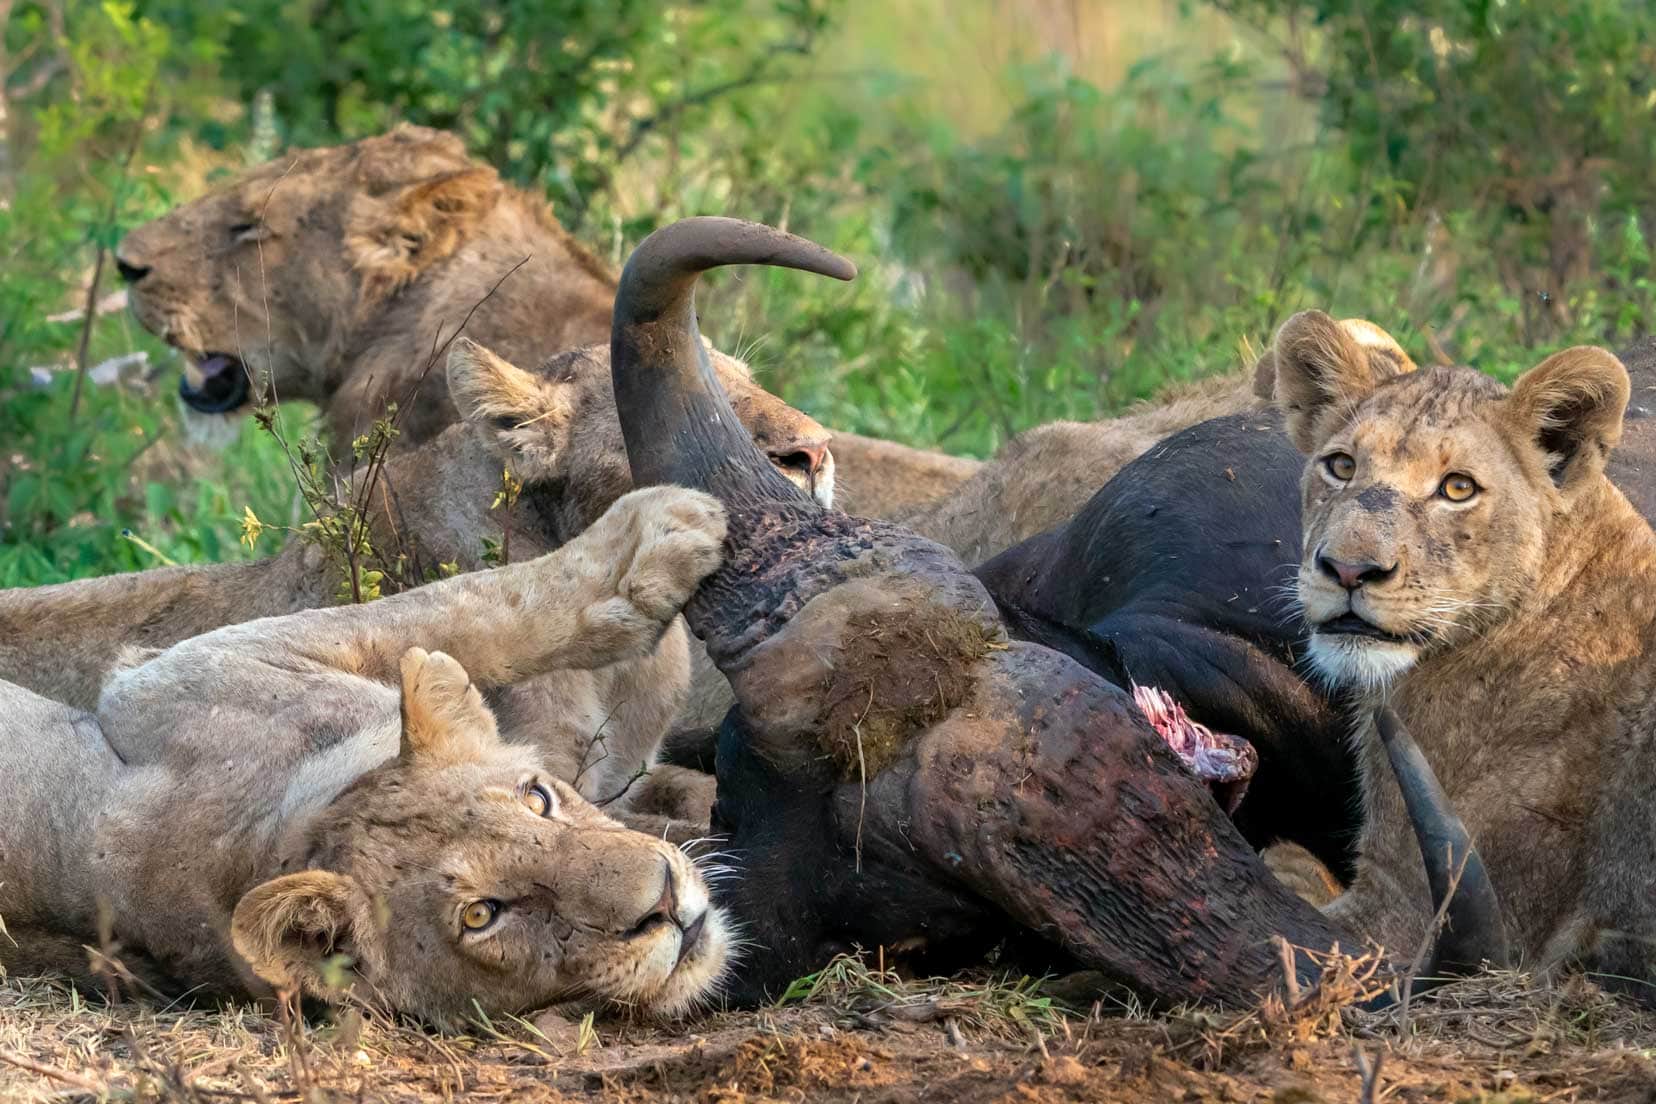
[[1465, 555], [251, 803]]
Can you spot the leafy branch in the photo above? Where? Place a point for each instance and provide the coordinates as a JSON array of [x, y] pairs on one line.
[[342, 503]]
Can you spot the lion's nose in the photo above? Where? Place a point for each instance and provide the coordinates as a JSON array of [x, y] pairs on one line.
[[665, 909], [1350, 575], [805, 457], [130, 271]]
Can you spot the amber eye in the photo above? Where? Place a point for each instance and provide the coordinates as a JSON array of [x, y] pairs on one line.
[[479, 915], [1457, 487], [539, 800], [1341, 466]]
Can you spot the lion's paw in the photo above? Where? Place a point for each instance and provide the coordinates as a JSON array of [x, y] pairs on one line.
[[1302, 872], [659, 543], [680, 542]]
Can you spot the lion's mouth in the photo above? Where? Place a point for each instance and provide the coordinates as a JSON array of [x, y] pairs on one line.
[[1351, 623], [1223, 761], [217, 384]]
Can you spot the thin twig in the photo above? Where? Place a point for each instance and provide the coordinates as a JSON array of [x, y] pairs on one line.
[[85, 1084], [643, 769], [98, 265], [376, 462]]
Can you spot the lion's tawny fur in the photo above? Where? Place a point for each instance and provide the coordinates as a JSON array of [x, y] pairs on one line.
[[1524, 618]]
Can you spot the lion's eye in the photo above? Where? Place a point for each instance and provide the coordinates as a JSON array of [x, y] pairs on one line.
[[479, 915], [243, 230], [1457, 487], [1341, 466], [539, 800]]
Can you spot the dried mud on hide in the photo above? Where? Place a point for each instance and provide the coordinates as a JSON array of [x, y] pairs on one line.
[[893, 678], [856, 1035]]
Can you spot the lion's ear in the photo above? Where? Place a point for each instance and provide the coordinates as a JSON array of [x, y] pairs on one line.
[[1372, 340], [393, 237], [523, 418], [443, 715], [1571, 405], [294, 929], [1320, 371]]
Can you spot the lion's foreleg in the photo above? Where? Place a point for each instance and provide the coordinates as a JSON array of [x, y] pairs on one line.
[[606, 596]]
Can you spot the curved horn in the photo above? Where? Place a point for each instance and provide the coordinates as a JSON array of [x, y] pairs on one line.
[[1473, 932], [675, 418]]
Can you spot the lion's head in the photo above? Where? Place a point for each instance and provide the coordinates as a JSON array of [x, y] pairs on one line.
[[462, 876], [278, 272], [1431, 498], [557, 426]]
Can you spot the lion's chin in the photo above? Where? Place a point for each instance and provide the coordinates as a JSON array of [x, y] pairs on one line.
[[1364, 662], [213, 432]]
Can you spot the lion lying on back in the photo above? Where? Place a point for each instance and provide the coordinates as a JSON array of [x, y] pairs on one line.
[[1466, 556], [250, 803]]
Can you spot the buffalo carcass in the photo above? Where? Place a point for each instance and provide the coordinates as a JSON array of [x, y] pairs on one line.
[[897, 770]]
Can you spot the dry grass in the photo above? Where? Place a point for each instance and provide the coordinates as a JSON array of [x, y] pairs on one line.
[[853, 1032]]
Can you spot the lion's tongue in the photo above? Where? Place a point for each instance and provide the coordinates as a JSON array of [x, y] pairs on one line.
[[214, 364], [1223, 761]]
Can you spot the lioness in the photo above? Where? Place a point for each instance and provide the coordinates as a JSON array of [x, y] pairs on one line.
[[329, 274], [1465, 556], [250, 803]]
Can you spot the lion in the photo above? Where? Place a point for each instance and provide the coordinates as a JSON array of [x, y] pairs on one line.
[[330, 275], [1466, 559], [557, 430], [259, 808]]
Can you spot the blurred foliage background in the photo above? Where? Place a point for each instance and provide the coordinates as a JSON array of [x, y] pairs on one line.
[[1058, 205]]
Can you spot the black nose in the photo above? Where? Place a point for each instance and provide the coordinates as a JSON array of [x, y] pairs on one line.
[[130, 272], [665, 910], [1352, 576]]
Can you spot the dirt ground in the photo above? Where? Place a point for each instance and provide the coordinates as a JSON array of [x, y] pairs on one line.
[[856, 1036]]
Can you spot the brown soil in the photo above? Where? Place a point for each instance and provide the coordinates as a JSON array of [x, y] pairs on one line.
[[862, 1037]]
